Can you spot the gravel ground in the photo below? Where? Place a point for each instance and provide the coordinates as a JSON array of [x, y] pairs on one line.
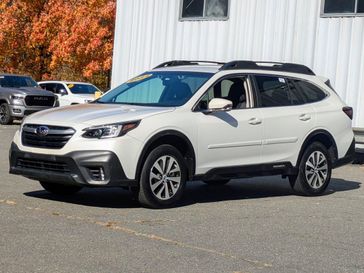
[[249, 225]]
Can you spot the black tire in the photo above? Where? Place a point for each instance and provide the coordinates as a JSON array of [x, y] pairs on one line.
[[313, 179], [5, 115], [60, 189], [216, 182], [170, 192]]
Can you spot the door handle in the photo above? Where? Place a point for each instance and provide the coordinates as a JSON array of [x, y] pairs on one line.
[[305, 117], [255, 121]]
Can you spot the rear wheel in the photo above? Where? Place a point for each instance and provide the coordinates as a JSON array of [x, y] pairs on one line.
[[59, 188], [163, 178], [216, 182], [314, 171], [5, 117]]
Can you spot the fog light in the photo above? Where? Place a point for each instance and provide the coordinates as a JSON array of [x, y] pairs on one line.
[[102, 174], [97, 173], [17, 111]]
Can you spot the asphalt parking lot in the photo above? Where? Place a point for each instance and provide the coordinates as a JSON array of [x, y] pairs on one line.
[[250, 225]]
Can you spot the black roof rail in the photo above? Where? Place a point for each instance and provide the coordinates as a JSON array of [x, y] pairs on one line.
[[273, 66], [183, 62]]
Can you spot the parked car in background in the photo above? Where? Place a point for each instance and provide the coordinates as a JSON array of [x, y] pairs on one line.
[[70, 93], [21, 96]]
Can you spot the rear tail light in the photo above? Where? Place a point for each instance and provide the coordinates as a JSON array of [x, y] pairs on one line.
[[348, 111]]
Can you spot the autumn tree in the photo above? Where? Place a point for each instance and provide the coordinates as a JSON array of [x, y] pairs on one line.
[[58, 39]]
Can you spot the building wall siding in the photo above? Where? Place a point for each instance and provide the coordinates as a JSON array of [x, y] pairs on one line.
[[149, 32]]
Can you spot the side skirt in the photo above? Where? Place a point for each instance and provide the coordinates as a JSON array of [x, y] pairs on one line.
[[280, 168]]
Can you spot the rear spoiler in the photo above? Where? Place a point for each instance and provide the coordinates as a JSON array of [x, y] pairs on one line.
[[327, 82]]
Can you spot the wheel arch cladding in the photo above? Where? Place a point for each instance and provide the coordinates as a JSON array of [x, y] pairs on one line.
[[175, 139], [325, 138]]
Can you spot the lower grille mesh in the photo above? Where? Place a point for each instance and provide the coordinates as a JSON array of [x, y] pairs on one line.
[[50, 166]]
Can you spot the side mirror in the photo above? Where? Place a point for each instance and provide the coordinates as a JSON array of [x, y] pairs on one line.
[[219, 105], [62, 92]]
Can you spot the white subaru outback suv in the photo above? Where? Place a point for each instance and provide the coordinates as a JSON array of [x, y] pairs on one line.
[[191, 120]]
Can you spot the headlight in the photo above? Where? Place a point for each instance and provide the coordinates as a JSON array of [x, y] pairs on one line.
[[110, 130], [17, 97]]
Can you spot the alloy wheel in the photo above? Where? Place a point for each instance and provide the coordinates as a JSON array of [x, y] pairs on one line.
[[165, 177], [316, 169], [3, 114]]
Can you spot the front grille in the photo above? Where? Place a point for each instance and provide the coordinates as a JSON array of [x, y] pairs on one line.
[[39, 100], [42, 136], [40, 165]]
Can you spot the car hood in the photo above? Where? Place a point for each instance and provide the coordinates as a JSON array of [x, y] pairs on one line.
[[94, 114], [85, 96], [27, 91]]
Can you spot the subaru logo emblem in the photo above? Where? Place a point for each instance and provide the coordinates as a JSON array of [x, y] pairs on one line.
[[42, 131]]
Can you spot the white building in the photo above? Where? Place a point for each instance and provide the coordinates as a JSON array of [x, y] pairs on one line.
[[326, 35]]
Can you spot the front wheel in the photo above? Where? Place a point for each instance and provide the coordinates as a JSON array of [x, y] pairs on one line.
[[314, 171], [163, 178], [5, 117], [59, 188]]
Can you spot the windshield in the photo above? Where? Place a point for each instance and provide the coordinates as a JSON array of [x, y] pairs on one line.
[[77, 88], [157, 89], [17, 81]]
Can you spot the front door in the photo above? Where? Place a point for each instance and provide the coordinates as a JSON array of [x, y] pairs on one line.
[[229, 139]]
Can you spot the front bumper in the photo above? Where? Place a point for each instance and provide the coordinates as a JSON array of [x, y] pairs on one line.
[[19, 111], [81, 168]]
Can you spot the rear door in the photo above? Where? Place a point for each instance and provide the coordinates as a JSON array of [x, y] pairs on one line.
[[287, 118]]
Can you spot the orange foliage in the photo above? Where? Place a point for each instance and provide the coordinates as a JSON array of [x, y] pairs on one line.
[[57, 39]]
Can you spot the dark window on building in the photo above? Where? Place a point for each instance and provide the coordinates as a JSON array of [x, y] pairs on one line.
[[192, 8], [310, 92], [204, 9], [339, 6], [343, 7], [360, 6]]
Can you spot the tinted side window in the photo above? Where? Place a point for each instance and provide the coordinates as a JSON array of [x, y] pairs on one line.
[[294, 94], [59, 87], [233, 89], [49, 86], [310, 92], [273, 91]]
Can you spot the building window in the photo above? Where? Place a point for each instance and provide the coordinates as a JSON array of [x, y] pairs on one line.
[[204, 9], [337, 8]]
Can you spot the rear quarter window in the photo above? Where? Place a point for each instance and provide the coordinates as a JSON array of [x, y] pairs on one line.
[[310, 92]]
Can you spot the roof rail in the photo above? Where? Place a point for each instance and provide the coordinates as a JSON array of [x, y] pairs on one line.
[[274, 66], [183, 62]]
